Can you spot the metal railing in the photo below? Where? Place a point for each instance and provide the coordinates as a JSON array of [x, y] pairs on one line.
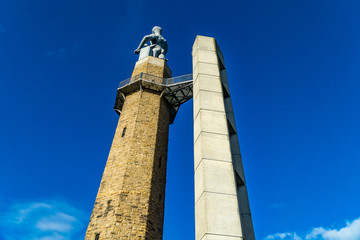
[[156, 79], [179, 79]]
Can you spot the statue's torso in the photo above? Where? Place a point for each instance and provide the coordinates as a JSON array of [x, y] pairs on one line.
[[158, 40]]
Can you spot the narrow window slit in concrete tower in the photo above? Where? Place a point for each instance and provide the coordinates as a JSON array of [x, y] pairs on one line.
[[238, 180], [221, 64], [160, 162], [225, 91], [231, 128], [123, 132]]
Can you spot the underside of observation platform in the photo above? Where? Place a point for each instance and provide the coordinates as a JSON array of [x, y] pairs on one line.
[[176, 91]]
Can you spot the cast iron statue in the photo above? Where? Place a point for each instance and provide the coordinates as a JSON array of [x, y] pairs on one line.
[[158, 45]]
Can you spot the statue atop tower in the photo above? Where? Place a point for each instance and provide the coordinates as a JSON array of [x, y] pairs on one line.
[[158, 46]]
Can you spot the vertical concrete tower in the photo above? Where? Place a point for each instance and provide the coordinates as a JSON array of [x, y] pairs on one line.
[[222, 209]]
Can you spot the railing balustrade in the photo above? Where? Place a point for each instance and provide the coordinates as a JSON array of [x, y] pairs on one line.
[[156, 79]]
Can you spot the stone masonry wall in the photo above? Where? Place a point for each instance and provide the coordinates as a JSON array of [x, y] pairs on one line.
[[153, 66], [130, 200]]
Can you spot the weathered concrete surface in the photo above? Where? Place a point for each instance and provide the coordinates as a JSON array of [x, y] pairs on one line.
[[130, 200], [220, 191], [243, 200]]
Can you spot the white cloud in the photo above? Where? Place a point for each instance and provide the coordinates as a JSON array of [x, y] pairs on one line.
[[26, 210], [59, 222], [285, 236], [44, 220], [54, 236], [350, 232]]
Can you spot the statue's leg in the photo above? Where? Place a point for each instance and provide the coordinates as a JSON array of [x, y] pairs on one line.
[[156, 51], [161, 55]]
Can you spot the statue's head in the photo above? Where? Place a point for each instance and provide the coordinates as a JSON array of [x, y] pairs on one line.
[[157, 30]]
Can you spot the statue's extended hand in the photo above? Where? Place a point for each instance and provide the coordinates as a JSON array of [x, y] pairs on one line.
[[137, 51]]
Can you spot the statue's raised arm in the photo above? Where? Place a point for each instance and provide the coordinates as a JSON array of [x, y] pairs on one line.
[[143, 43], [158, 45]]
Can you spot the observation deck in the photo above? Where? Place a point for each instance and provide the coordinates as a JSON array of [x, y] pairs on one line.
[[176, 90]]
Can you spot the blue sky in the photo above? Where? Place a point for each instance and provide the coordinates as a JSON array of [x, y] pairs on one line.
[[294, 74]]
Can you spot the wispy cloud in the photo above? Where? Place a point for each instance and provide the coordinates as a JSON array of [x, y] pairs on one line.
[[23, 213], [43, 220], [59, 222], [350, 232], [285, 236]]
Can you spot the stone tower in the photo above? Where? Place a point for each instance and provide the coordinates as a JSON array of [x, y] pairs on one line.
[[130, 200]]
